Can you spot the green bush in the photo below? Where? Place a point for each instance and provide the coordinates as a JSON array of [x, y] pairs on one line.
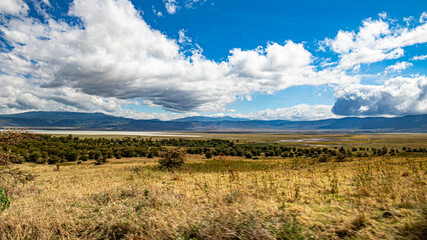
[[172, 159], [4, 200], [248, 155], [208, 154]]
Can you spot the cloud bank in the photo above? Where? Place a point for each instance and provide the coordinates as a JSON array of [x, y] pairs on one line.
[[295, 113], [398, 96], [112, 58], [375, 41], [115, 56], [13, 6], [398, 67]]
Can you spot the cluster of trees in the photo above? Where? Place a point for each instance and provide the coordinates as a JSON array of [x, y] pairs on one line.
[[50, 149]]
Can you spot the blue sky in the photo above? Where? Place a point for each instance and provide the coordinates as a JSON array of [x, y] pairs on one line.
[[166, 59]]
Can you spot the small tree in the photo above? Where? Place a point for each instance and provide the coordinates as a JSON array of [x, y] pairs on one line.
[[208, 154], [340, 157], [171, 159]]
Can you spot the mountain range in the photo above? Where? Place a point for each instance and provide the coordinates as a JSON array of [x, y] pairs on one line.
[[100, 121]]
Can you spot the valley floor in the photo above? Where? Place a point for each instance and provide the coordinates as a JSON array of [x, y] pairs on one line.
[[223, 198]]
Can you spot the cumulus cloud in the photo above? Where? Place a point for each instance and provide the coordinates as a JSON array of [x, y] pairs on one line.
[[182, 38], [13, 6], [417, 58], [408, 20], [294, 113], [279, 67], [18, 95], [116, 57], [171, 6], [129, 113], [382, 15], [398, 96], [398, 67], [191, 3], [423, 17], [157, 13], [113, 58], [375, 41]]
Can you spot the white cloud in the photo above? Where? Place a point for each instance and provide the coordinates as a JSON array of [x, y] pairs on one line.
[[182, 38], [417, 58], [147, 115], [18, 94], [279, 67], [191, 3], [398, 96], [408, 20], [295, 113], [398, 67], [157, 13], [375, 41], [13, 6], [344, 42], [423, 17], [171, 6], [117, 57], [382, 15]]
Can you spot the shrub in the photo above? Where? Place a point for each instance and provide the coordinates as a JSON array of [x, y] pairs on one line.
[[84, 157], [340, 157], [35, 157], [71, 156], [171, 159], [4, 200], [208, 154], [323, 158]]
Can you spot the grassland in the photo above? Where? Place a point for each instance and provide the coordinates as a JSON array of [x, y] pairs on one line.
[[228, 197]]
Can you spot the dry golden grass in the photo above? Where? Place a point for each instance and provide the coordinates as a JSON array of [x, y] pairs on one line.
[[232, 198]]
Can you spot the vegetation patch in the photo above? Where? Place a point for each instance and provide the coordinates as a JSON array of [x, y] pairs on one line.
[[222, 197]]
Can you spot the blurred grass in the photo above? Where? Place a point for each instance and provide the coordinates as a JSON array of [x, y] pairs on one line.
[[227, 198]]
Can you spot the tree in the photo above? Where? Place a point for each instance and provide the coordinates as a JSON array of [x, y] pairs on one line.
[[35, 157], [208, 154], [171, 159], [71, 156]]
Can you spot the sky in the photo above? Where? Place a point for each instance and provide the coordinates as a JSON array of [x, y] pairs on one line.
[[168, 59]]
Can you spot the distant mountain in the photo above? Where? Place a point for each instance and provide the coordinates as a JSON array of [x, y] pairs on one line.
[[62, 120], [209, 119], [99, 121]]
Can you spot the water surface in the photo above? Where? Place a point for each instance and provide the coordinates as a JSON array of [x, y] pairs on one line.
[[118, 133], [313, 140]]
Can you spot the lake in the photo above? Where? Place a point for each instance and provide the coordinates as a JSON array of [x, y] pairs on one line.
[[109, 133], [313, 140]]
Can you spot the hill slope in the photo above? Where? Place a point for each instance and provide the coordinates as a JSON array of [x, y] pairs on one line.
[[99, 121]]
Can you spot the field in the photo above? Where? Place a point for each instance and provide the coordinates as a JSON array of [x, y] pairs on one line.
[[230, 197]]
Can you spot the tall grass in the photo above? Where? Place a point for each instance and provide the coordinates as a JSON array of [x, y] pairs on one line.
[[227, 198]]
